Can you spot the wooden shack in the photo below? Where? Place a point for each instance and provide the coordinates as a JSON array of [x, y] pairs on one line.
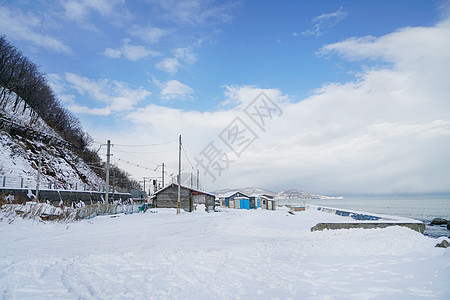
[[269, 204], [167, 198], [227, 200]]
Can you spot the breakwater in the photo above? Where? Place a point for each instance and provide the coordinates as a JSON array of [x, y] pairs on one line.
[[366, 221]]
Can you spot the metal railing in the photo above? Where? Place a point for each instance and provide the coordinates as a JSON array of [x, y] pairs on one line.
[[30, 183]]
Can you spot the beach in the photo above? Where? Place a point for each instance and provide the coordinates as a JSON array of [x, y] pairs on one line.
[[231, 254]]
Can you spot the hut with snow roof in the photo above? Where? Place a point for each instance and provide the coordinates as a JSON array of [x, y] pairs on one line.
[[227, 199], [167, 197]]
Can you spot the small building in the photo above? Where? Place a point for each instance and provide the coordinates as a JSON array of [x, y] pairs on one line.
[[269, 204], [241, 202], [226, 198], [167, 197], [255, 201]]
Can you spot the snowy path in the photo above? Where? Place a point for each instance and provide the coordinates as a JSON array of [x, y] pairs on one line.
[[229, 255]]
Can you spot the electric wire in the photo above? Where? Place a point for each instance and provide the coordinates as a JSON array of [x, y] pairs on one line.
[[120, 150], [144, 145], [145, 160], [136, 165], [148, 145], [187, 158]]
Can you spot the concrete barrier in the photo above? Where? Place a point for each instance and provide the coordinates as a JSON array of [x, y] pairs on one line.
[[419, 227], [365, 220], [67, 196]]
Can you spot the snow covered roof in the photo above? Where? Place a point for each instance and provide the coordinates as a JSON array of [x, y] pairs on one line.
[[229, 194], [268, 197], [184, 187]]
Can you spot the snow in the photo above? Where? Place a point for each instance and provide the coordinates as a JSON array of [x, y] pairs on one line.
[[19, 156], [232, 254], [348, 219], [22, 116], [200, 208]]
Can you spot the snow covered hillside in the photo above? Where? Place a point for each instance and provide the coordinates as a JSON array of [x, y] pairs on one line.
[[233, 254], [19, 153]]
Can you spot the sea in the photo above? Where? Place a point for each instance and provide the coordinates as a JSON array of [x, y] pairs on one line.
[[424, 209]]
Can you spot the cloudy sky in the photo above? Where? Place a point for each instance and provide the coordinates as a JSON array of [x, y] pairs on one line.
[[331, 97]]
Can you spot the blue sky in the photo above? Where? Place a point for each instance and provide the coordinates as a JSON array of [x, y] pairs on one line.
[[145, 71]]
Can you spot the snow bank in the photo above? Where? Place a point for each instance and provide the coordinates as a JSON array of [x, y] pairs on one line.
[[200, 208], [233, 254]]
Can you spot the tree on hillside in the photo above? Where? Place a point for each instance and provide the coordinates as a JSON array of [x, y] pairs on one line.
[[20, 76]]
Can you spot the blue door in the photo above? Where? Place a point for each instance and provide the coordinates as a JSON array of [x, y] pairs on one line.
[[246, 203]]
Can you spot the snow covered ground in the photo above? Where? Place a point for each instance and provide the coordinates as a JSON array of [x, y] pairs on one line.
[[232, 254]]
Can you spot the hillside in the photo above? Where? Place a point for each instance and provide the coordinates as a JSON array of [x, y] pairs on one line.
[[36, 129], [23, 139]]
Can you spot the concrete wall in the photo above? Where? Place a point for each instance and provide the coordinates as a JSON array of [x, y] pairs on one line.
[[419, 227], [55, 196]]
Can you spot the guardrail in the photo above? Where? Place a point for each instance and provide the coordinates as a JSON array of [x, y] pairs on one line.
[[67, 197], [30, 183]]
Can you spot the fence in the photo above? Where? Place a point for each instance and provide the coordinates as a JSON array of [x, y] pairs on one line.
[[46, 212], [30, 183], [91, 211]]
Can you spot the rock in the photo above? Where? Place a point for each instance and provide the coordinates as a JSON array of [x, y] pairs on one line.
[[448, 225], [443, 244], [439, 221]]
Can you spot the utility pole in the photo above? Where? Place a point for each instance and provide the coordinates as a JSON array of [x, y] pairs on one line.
[[38, 177], [179, 177], [145, 197], [108, 154], [162, 175], [114, 184], [191, 180], [198, 174], [144, 186]]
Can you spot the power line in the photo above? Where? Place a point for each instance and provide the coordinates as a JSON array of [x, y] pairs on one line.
[[149, 152], [187, 158], [148, 145], [136, 165], [129, 162], [136, 156]]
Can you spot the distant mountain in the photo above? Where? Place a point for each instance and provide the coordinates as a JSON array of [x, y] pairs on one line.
[[295, 194], [247, 191], [287, 194]]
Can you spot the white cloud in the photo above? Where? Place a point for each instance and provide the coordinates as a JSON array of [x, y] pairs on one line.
[[80, 10], [148, 34], [196, 12], [115, 96], [324, 22], [386, 132], [240, 96], [19, 26], [130, 52], [169, 65], [172, 64], [174, 89], [113, 53], [396, 47], [185, 54]]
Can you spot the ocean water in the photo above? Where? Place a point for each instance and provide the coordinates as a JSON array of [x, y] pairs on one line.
[[423, 209]]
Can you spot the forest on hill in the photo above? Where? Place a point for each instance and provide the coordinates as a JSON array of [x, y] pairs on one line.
[[22, 83]]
